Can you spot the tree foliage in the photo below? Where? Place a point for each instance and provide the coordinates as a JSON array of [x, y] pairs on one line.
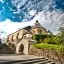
[[61, 29], [51, 39], [39, 37], [0, 41]]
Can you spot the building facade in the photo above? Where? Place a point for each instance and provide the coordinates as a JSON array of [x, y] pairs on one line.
[[20, 40]]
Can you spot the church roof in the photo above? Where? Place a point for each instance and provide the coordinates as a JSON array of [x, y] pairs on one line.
[[27, 28]]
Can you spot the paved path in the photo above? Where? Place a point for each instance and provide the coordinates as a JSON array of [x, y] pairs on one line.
[[23, 59], [16, 57], [5, 58]]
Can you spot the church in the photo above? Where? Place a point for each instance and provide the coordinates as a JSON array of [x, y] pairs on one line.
[[20, 40]]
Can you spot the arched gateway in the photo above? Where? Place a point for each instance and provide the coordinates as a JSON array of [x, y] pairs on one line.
[[22, 47]]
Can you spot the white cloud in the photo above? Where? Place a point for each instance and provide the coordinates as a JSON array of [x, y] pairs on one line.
[[50, 20], [1, 0], [32, 12], [8, 26]]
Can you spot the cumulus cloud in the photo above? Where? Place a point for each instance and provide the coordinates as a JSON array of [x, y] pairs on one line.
[[1, 0], [8, 27], [50, 20], [32, 12]]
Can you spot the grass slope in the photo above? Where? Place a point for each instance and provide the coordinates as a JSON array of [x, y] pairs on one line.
[[49, 46]]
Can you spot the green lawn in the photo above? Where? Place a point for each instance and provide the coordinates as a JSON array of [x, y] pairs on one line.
[[49, 46]]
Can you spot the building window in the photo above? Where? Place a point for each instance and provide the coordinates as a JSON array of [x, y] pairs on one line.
[[12, 37], [17, 35], [34, 32], [39, 31], [7, 39]]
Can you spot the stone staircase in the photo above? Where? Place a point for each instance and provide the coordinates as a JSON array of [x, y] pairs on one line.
[[4, 49], [30, 61]]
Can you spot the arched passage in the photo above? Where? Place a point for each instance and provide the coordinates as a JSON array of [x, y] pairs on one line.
[[21, 48]]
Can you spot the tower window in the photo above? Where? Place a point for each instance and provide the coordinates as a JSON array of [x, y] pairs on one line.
[[39, 31]]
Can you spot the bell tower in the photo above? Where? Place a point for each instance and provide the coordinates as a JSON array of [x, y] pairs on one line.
[[37, 28], [37, 22]]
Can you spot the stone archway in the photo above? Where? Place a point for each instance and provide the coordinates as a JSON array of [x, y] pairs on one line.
[[21, 48]]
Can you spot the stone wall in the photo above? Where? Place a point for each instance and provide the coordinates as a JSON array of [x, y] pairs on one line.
[[55, 56], [15, 36]]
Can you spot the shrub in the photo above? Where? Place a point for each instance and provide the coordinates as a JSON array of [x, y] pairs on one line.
[[52, 40], [39, 37], [61, 34], [46, 40]]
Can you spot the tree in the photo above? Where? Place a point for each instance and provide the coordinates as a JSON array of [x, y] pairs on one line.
[[0, 41], [61, 29], [39, 37]]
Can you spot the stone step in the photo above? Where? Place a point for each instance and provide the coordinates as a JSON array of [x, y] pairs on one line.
[[50, 63], [18, 61], [45, 62], [30, 61], [33, 61], [4, 49]]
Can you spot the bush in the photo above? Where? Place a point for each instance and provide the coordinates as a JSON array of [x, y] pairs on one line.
[[61, 35], [52, 40], [0, 41], [55, 40], [46, 40], [39, 37]]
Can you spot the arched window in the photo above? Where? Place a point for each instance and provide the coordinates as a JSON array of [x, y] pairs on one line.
[[34, 32], [7, 39], [17, 35], [40, 31], [21, 48], [9, 44], [12, 37]]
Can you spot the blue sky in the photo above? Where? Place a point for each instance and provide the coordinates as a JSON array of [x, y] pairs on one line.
[[13, 13]]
